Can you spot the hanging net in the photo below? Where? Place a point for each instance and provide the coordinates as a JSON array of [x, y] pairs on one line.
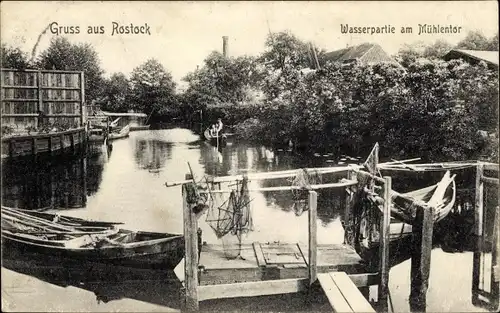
[[304, 179], [231, 218], [371, 162], [232, 215]]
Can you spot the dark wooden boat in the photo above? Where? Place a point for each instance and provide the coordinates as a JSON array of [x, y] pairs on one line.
[[99, 135], [441, 196], [89, 241], [216, 141], [63, 219], [139, 127]]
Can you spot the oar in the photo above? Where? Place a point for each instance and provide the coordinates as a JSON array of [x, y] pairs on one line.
[[35, 225], [38, 220]]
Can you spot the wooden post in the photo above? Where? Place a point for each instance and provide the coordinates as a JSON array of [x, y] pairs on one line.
[[84, 179], [312, 269], [348, 198], [383, 287], [421, 257], [495, 263], [40, 96], [478, 232], [191, 254], [479, 211], [82, 98]]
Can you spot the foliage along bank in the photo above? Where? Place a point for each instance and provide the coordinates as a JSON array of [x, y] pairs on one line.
[[431, 109]]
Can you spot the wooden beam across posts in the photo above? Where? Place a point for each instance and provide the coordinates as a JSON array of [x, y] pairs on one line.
[[421, 257], [376, 178], [489, 180], [342, 184], [270, 175], [383, 288], [191, 254], [313, 244], [253, 289], [491, 166]]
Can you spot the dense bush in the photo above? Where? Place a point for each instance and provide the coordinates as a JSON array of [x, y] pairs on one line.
[[432, 109]]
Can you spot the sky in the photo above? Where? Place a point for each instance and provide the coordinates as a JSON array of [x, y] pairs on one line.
[[182, 34]]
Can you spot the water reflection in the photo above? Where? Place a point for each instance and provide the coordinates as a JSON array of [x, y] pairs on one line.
[[151, 154], [108, 283], [127, 184], [44, 185]]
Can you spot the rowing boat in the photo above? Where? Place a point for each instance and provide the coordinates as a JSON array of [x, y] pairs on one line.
[[64, 237], [216, 141], [440, 196], [124, 132], [61, 219]]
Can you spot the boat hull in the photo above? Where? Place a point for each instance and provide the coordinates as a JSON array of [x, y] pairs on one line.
[[160, 254], [122, 134], [139, 127], [219, 141]]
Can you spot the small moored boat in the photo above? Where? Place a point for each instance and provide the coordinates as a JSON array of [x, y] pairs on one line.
[[441, 196], [216, 141], [122, 133], [77, 239]]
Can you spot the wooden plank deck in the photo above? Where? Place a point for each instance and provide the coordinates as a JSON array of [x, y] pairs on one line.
[[343, 294], [271, 261]]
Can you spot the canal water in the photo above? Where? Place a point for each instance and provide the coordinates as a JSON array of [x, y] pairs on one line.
[[126, 183]]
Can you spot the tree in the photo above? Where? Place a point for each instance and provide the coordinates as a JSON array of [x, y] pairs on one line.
[[223, 80], [116, 93], [475, 40], [284, 49], [437, 50], [63, 55], [493, 43], [153, 89], [409, 53], [14, 58]]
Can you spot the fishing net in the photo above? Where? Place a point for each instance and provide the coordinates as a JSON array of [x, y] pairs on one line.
[[232, 215], [231, 218], [304, 179], [372, 160]]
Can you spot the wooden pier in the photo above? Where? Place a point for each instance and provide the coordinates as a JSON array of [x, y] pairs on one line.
[[343, 294], [269, 261], [270, 268], [274, 267]]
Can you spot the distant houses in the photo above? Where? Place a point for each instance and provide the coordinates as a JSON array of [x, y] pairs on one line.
[[474, 57], [366, 53]]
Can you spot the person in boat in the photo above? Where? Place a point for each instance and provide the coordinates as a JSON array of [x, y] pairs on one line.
[[219, 125], [213, 130]]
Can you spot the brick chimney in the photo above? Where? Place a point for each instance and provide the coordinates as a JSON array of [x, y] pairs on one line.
[[225, 46]]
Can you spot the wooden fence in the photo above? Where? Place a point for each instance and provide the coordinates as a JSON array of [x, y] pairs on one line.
[[59, 95]]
